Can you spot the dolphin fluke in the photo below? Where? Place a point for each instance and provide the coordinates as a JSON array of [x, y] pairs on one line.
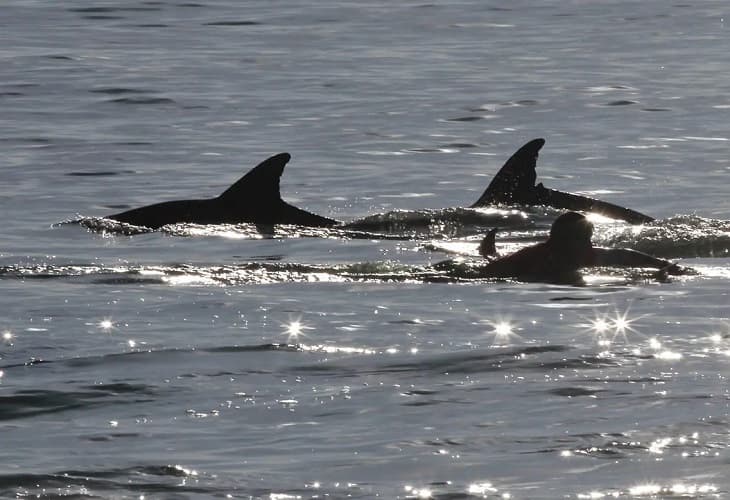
[[254, 198], [514, 184]]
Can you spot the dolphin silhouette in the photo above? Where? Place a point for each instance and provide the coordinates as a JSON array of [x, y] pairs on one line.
[[514, 184], [254, 198]]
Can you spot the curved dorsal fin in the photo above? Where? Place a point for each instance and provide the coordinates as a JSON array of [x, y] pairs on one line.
[[261, 183], [515, 181], [487, 247]]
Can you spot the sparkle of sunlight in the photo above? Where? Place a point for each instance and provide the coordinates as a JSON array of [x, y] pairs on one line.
[[657, 447], [294, 329], [106, 324], [645, 489], [502, 329], [676, 489], [599, 219], [482, 489], [606, 327], [419, 492]]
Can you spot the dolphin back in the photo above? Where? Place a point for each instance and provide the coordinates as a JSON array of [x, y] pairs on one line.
[[258, 194], [514, 184], [570, 201], [254, 198]]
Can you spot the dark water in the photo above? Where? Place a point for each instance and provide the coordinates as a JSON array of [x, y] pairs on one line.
[[222, 361]]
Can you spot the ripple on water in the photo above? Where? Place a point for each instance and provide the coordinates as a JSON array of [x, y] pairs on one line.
[[621, 102], [141, 101], [30, 403], [118, 90], [233, 23], [100, 173], [141, 479], [99, 9], [679, 236]]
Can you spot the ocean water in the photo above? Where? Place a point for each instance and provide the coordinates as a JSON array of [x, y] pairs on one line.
[[219, 361]]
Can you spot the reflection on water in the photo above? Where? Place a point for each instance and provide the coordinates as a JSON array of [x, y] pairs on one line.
[[369, 360], [652, 490]]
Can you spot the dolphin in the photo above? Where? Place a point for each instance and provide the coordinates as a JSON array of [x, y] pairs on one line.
[[514, 184], [254, 198]]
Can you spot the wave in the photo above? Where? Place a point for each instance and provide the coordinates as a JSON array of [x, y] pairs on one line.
[[452, 222], [455, 231], [674, 237], [138, 480], [448, 271], [397, 225], [142, 100], [30, 403], [678, 236]]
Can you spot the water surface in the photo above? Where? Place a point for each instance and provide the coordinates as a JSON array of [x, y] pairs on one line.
[[197, 362]]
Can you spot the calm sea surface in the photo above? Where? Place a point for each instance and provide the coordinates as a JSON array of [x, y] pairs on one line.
[[197, 362]]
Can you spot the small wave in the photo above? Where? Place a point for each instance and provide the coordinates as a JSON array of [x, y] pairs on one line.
[[136, 101], [98, 10], [29, 403], [27, 140], [431, 150], [394, 225], [523, 359], [102, 17], [678, 236], [154, 481], [151, 479], [574, 392], [470, 118], [443, 223], [254, 348], [249, 273], [610, 88], [232, 23], [103, 173], [271, 272], [232, 231], [104, 225], [118, 91], [621, 102]]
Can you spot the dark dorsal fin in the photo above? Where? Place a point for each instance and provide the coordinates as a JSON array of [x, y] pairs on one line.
[[515, 181], [487, 247], [261, 183]]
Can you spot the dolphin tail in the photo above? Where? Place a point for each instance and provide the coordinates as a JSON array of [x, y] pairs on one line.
[[260, 187], [515, 181]]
